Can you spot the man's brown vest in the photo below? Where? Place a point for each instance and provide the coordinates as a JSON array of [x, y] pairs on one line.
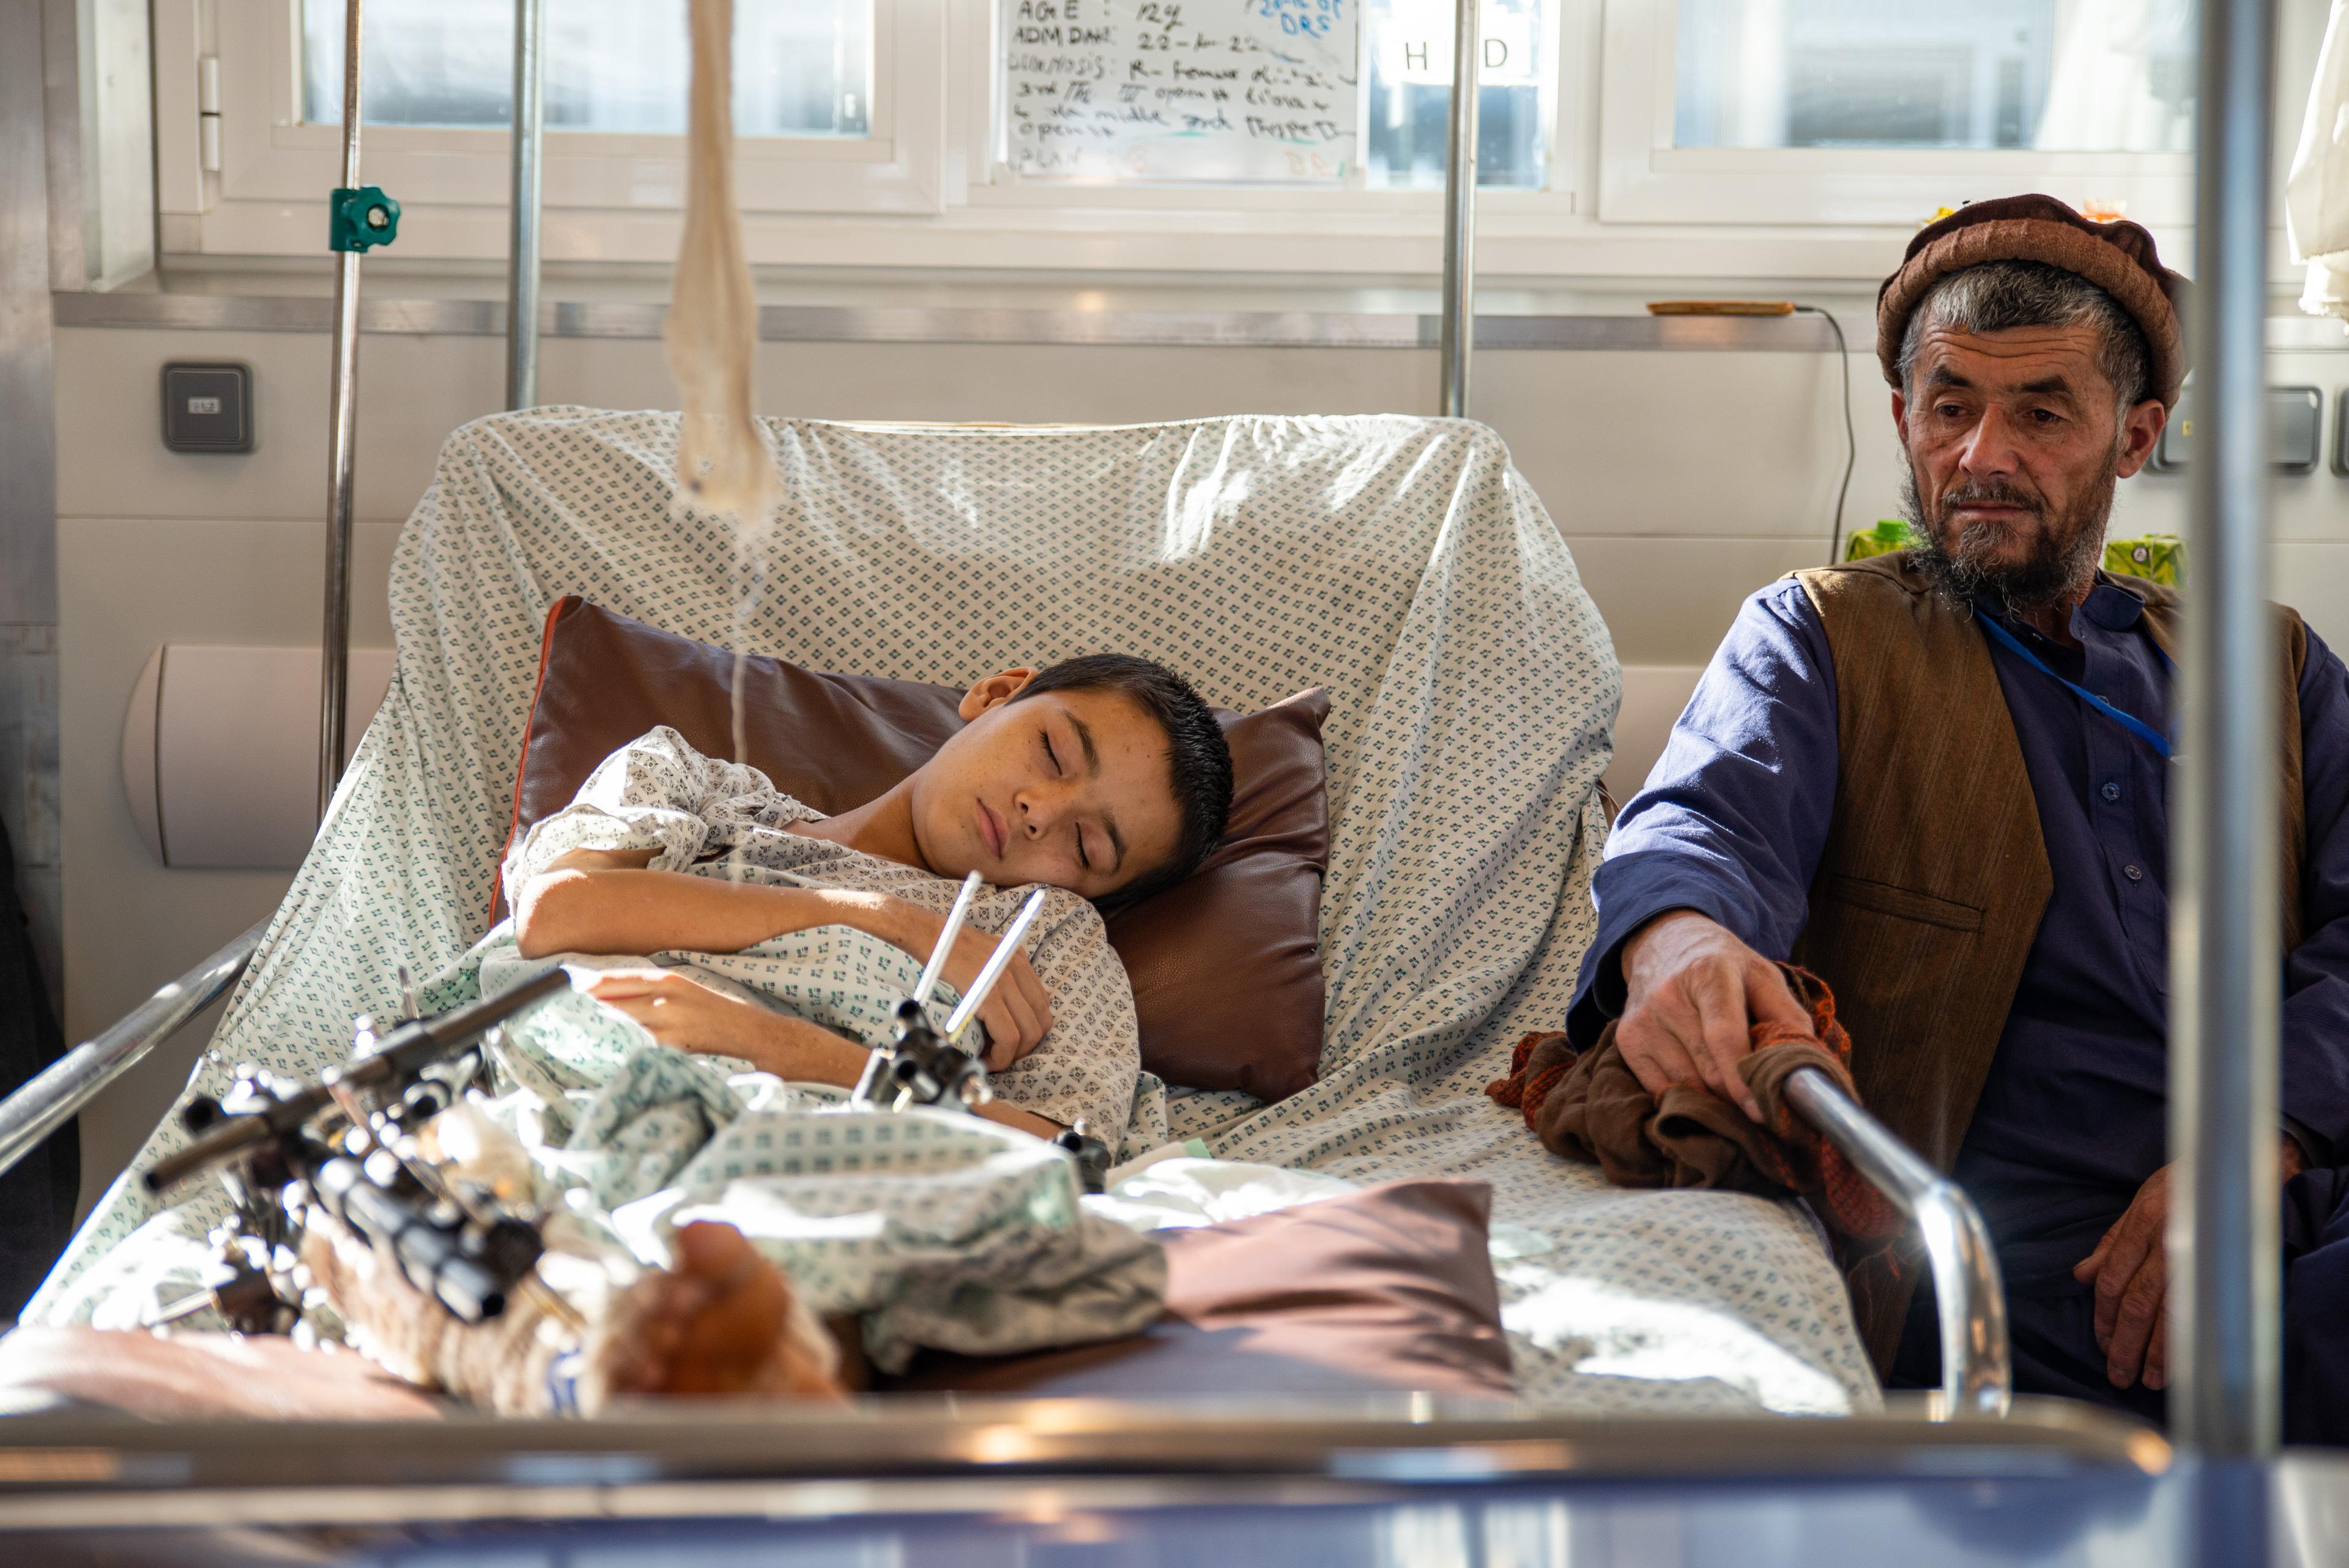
[[1934, 878]]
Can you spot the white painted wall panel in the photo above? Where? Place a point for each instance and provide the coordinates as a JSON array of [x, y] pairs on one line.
[[126, 584]]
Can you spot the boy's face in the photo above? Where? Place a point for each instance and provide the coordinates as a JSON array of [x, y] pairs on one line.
[[1072, 788]]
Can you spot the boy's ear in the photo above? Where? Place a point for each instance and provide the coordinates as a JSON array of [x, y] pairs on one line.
[[993, 692]]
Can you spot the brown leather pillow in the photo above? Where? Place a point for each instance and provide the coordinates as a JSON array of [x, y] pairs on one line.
[[1225, 964], [1387, 1288]]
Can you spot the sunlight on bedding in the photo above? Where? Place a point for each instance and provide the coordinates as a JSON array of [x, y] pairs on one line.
[[1192, 510], [1602, 1332]]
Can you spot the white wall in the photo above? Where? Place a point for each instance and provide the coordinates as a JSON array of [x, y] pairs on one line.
[[1681, 481]]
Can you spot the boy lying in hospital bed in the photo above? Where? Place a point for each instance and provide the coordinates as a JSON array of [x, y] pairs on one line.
[[779, 934], [1102, 776]]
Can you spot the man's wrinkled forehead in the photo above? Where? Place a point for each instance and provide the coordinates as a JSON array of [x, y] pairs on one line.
[[2025, 361]]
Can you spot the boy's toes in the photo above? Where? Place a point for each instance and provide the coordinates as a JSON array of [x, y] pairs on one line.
[[706, 1251], [719, 1320]]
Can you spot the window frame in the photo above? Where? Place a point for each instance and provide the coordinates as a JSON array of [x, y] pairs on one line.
[[929, 182], [1643, 178], [269, 155]]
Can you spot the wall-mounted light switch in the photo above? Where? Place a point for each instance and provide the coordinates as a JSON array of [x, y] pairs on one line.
[[2296, 431], [208, 408]]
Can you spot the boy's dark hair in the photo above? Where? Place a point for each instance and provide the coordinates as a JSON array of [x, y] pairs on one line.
[[1200, 762]]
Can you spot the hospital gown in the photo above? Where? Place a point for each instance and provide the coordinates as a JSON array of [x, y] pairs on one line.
[[715, 818]]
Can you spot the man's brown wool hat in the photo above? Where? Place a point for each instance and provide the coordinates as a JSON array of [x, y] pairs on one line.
[[2118, 258]]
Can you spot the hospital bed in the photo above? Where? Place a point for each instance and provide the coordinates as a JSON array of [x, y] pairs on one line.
[[1400, 562], [1415, 1021]]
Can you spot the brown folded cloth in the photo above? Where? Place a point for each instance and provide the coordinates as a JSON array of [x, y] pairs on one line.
[[1590, 1106]]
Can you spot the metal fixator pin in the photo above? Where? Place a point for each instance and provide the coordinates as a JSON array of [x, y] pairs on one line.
[[928, 1065], [935, 969], [996, 961]]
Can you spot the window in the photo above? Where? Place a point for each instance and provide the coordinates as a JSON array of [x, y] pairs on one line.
[[1620, 137], [839, 103], [2056, 76], [1877, 112], [884, 132], [801, 67], [1410, 107]]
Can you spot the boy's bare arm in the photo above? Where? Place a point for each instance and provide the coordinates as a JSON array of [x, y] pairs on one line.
[[684, 1014], [605, 901]]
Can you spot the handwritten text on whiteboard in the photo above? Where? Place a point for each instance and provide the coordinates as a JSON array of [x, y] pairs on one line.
[[1151, 91]]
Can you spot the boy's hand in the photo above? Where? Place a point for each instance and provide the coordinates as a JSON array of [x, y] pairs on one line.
[[1017, 1013], [686, 1016]]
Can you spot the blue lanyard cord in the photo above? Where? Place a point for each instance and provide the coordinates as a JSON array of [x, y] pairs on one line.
[[2128, 721]]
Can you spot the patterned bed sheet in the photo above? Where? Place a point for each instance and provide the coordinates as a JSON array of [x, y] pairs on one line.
[[1400, 563]]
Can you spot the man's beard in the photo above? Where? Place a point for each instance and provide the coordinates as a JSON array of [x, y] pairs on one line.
[[2064, 550]]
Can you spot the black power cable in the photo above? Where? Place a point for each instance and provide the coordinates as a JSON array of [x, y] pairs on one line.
[[1850, 435]]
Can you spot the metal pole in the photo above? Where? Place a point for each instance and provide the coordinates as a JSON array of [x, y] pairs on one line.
[[522, 246], [1460, 211], [342, 434], [2224, 965]]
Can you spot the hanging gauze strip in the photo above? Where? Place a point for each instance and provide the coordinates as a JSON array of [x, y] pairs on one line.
[[713, 319], [713, 333]]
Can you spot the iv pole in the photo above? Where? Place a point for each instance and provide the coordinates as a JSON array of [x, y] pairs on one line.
[[522, 248], [2225, 978], [359, 218], [1460, 213]]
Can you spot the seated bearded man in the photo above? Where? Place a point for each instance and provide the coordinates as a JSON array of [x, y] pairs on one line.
[[1939, 780], [1102, 776]]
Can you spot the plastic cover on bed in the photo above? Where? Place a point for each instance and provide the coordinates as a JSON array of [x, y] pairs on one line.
[[1400, 563]]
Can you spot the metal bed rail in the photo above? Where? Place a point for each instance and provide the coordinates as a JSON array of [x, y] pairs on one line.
[[1977, 1370], [75, 1468], [74, 1079]]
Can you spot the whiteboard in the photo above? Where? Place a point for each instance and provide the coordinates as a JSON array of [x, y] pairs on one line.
[[1252, 91]]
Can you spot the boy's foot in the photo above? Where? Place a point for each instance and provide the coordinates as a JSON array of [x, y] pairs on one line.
[[720, 1320]]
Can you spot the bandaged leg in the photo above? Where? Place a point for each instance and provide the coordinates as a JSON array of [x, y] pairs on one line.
[[721, 1320]]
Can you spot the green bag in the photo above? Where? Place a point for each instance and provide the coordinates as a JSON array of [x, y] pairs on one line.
[[2156, 557], [1886, 537]]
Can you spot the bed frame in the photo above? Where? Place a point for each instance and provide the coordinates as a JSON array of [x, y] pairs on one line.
[[2224, 1362]]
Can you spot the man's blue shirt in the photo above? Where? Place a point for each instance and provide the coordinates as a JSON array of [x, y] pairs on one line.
[[2072, 1115]]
